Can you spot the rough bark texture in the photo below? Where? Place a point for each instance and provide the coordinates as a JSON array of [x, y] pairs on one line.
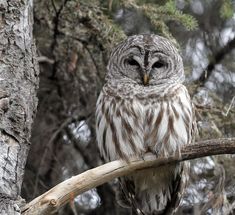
[[18, 84]]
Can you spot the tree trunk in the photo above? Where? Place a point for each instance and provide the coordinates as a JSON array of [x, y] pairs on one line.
[[18, 84]]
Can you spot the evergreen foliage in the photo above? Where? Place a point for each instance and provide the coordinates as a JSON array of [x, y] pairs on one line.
[[159, 14], [227, 9]]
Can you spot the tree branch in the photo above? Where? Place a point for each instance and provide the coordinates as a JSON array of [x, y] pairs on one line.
[[59, 195], [218, 57]]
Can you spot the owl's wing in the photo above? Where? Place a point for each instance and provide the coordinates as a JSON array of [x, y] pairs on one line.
[[181, 180], [178, 185], [126, 196], [123, 194]]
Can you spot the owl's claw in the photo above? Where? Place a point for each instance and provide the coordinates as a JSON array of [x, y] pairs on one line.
[[151, 153]]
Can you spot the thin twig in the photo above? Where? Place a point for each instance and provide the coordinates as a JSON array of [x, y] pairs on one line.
[[48, 147], [218, 57], [229, 108]]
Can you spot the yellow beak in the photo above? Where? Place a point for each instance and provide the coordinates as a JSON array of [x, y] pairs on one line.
[[146, 79]]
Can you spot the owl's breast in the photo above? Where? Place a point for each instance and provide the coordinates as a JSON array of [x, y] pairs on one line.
[[119, 127], [168, 123], [131, 127]]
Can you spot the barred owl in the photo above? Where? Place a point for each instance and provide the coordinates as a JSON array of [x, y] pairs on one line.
[[144, 108]]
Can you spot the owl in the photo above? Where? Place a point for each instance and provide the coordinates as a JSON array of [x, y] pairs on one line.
[[144, 108]]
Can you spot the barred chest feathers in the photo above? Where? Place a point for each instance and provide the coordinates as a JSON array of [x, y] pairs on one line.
[[131, 126]]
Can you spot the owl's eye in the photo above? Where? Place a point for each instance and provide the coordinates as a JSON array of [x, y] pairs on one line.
[[132, 62], [158, 64]]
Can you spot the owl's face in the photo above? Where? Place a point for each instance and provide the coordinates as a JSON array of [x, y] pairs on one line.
[[146, 60]]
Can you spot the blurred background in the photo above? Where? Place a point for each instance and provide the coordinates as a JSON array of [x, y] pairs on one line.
[[74, 39]]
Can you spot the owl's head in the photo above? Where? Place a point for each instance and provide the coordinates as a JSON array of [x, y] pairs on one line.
[[147, 60]]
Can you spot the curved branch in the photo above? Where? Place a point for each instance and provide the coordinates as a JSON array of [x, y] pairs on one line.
[[64, 192]]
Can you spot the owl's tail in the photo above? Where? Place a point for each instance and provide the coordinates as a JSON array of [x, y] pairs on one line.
[[152, 200]]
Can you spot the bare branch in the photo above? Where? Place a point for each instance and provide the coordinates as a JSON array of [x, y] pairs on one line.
[[59, 195], [218, 57]]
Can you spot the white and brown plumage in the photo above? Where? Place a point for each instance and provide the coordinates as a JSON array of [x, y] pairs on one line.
[[143, 107]]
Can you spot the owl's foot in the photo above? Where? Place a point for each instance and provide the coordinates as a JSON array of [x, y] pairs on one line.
[[149, 155]]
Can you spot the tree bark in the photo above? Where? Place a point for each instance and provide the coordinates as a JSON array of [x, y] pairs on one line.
[[18, 83]]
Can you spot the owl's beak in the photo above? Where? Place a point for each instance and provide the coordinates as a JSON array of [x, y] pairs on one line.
[[146, 79]]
